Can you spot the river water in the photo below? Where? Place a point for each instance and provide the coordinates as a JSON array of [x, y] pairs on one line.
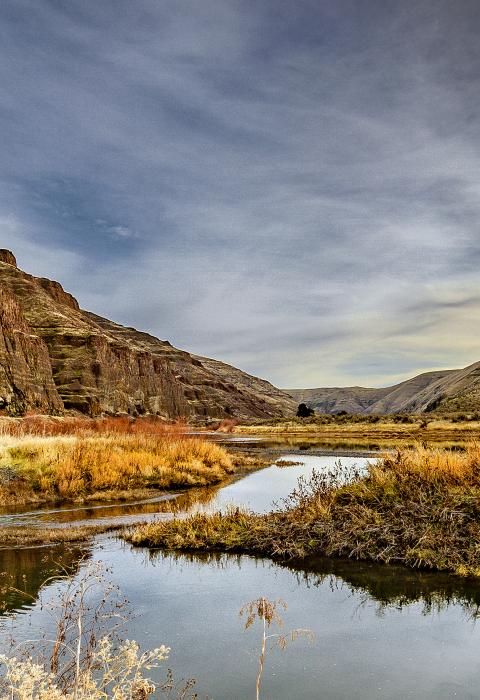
[[379, 631]]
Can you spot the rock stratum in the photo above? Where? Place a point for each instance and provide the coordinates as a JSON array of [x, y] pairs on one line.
[[444, 391], [55, 357]]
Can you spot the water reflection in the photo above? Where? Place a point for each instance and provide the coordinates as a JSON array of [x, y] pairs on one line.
[[25, 571], [257, 491], [326, 444], [121, 512], [388, 585], [393, 586], [381, 631]]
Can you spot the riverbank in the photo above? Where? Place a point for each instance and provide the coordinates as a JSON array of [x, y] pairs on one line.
[[133, 467], [72, 468], [358, 430], [44, 536], [419, 508], [47, 460], [136, 505]]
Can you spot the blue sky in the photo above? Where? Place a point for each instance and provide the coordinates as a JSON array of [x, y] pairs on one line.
[[293, 188]]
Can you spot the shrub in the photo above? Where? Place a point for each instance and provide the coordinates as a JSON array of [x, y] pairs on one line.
[[304, 411]]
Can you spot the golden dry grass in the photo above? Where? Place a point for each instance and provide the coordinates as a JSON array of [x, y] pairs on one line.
[[385, 430], [31, 536], [69, 467], [433, 465], [43, 426]]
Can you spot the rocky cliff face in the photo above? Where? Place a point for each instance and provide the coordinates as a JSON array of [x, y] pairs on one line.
[[6, 256], [26, 381], [56, 357]]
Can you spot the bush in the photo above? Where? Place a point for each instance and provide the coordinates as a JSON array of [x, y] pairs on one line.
[[304, 411]]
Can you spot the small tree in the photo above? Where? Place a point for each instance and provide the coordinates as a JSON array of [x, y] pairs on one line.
[[304, 411]]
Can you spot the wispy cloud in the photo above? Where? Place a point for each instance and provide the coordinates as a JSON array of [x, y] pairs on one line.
[[292, 191], [122, 232]]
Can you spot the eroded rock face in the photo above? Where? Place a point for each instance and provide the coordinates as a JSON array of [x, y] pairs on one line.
[[8, 257], [57, 292], [442, 391], [26, 380], [57, 357]]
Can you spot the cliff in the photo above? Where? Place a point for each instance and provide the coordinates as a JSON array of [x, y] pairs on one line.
[[57, 357]]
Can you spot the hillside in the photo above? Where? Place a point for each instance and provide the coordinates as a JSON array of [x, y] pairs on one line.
[[351, 399], [447, 391], [57, 357]]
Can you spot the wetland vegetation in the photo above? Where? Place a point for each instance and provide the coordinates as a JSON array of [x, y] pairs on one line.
[[390, 430], [358, 608], [48, 460], [416, 507]]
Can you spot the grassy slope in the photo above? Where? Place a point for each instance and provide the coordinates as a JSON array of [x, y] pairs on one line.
[[420, 508]]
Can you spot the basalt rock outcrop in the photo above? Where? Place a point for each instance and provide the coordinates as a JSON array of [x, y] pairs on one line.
[[6, 256], [55, 357]]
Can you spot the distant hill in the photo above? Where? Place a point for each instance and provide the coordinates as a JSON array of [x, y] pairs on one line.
[[56, 357], [445, 391]]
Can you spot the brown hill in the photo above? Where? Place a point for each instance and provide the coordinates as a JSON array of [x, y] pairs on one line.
[[445, 391], [56, 357], [351, 399]]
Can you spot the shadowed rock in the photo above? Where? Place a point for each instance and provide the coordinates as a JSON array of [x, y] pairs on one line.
[[26, 380]]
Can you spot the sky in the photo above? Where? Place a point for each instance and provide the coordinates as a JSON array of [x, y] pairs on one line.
[[290, 187]]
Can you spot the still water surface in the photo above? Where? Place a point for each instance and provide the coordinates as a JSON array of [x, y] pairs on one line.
[[380, 632]]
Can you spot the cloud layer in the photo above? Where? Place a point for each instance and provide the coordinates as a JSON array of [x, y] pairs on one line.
[[292, 188]]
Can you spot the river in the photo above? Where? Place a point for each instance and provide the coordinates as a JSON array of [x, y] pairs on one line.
[[379, 631]]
